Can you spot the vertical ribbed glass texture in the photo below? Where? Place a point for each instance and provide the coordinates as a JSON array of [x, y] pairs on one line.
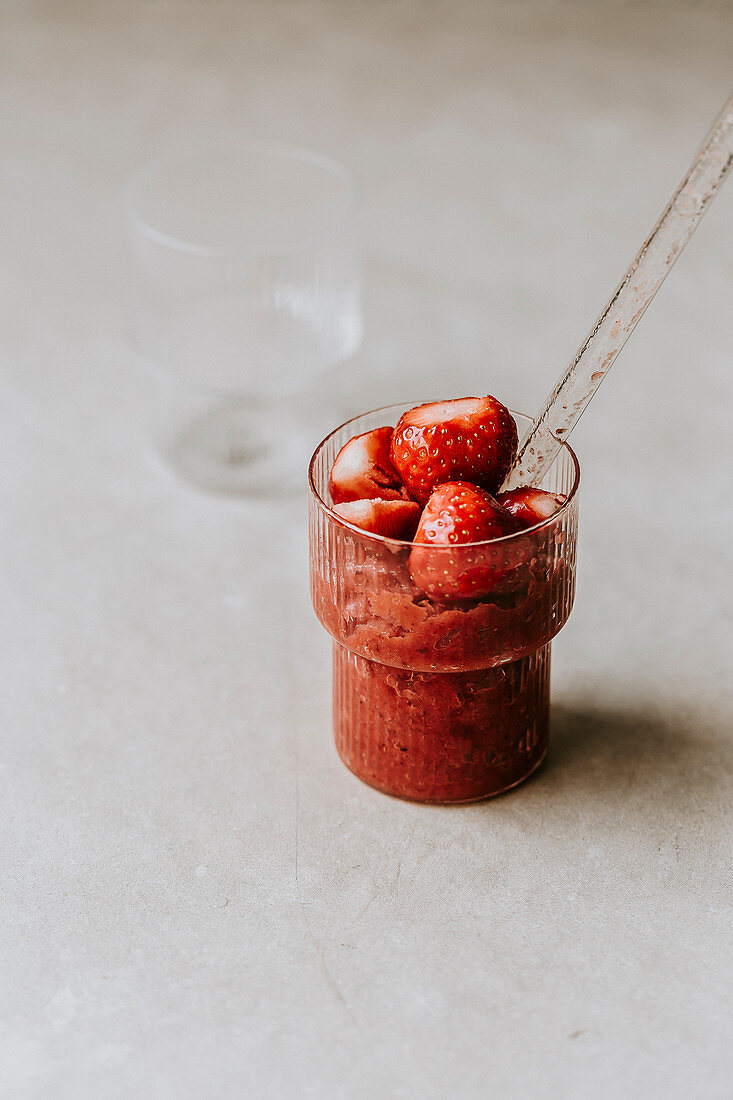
[[440, 701]]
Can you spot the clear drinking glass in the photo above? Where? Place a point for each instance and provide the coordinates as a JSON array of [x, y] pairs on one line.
[[245, 287], [440, 701]]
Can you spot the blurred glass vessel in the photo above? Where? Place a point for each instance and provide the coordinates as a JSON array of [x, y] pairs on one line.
[[245, 287]]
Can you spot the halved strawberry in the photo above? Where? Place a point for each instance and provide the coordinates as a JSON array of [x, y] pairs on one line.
[[458, 513], [396, 519], [529, 505], [363, 469], [471, 439]]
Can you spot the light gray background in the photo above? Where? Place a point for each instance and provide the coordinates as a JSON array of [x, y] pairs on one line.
[[199, 900]]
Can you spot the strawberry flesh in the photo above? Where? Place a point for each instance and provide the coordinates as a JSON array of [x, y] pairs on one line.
[[458, 513], [529, 505], [363, 469], [396, 519], [471, 439]]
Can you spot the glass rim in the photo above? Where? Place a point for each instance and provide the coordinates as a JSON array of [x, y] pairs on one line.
[[285, 150], [387, 540]]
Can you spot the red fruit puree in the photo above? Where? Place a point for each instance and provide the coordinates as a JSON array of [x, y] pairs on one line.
[[441, 702], [444, 736]]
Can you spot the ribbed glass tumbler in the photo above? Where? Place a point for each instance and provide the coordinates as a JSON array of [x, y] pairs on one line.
[[438, 700]]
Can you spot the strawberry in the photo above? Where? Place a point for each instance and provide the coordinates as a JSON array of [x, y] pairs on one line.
[[458, 512], [530, 506], [363, 469], [471, 439], [396, 519]]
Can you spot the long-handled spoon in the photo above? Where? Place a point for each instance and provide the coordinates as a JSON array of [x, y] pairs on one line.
[[619, 318]]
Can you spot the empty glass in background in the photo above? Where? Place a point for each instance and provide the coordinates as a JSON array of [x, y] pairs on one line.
[[245, 288]]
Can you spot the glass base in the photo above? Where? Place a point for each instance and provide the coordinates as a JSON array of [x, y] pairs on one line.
[[450, 737], [233, 444], [451, 801]]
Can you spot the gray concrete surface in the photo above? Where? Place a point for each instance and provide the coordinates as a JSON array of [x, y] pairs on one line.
[[199, 900]]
